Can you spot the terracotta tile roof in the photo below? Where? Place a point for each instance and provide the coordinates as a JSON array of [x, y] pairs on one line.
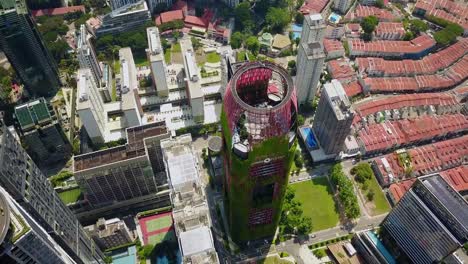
[[196, 21], [169, 16], [383, 48], [429, 64], [405, 100], [352, 88], [389, 28], [456, 177], [425, 159], [456, 12], [362, 11], [58, 11], [391, 134], [341, 70], [313, 6], [454, 75], [330, 45]]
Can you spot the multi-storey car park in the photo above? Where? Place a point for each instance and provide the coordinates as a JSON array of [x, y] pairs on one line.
[[258, 123]]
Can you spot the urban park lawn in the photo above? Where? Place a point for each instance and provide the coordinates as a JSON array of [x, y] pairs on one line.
[[317, 201]]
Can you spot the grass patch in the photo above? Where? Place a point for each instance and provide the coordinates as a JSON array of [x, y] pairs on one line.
[[70, 196], [158, 238], [141, 61], [176, 47], [167, 56], [274, 260], [241, 56], [213, 57], [317, 201], [159, 223], [381, 204]]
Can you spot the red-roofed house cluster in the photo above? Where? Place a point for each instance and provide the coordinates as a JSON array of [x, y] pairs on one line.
[[58, 11], [341, 70], [362, 11], [456, 177], [389, 30], [390, 135], [405, 106], [456, 12], [428, 65], [413, 49], [419, 161], [333, 48], [352, 88], [454, 75], [313, 6], [206, 22]]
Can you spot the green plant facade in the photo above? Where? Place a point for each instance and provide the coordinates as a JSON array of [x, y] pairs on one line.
[[240, 185]]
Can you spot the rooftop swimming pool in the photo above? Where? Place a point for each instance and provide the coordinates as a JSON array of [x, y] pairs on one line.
[[380, 246], [296, 30], [309, 138], [334, 18]]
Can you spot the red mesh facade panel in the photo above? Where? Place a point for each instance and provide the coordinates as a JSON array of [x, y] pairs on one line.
[[267, 168], [260, 216]]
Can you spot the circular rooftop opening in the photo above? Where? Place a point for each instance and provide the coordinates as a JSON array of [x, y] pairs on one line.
[[261, 86]]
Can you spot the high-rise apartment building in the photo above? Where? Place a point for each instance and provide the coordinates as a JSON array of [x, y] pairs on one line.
[[129, 174], [41, 133], [124, 18], [157, 63], [190, 209], [313, 29], [22, 43], [333, 119], [154, 4], [90, 106], [342, 5], [23, 180], [116, 4], [310, 58], [258, 122], [430, 222], [22, 240], [86, 54]]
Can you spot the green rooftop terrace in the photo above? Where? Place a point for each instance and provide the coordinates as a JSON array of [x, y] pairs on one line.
[[32, 113]]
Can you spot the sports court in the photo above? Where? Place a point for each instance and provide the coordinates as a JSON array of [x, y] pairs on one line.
[[157, 228]]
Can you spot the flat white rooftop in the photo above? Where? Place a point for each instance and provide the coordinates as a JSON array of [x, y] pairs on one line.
[[196, 241], [182, 168]]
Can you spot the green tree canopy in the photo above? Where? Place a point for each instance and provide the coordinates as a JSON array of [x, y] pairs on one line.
[[252, 44], [417, 26], [236, 40], [243, 16], [277, 18], [369, 23]]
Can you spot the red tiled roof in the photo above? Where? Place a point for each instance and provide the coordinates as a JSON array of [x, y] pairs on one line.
[[382, 48], [195, 21], [456, 12], [384, 28], [313, 6], [453, 76], [330, 45], [391, 134], [405, 100], [352, 89], [169, 16], [397, 190], [425, 159], [456, 177], [341, 70], [429, 64], [58, 11], [364, 11]]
